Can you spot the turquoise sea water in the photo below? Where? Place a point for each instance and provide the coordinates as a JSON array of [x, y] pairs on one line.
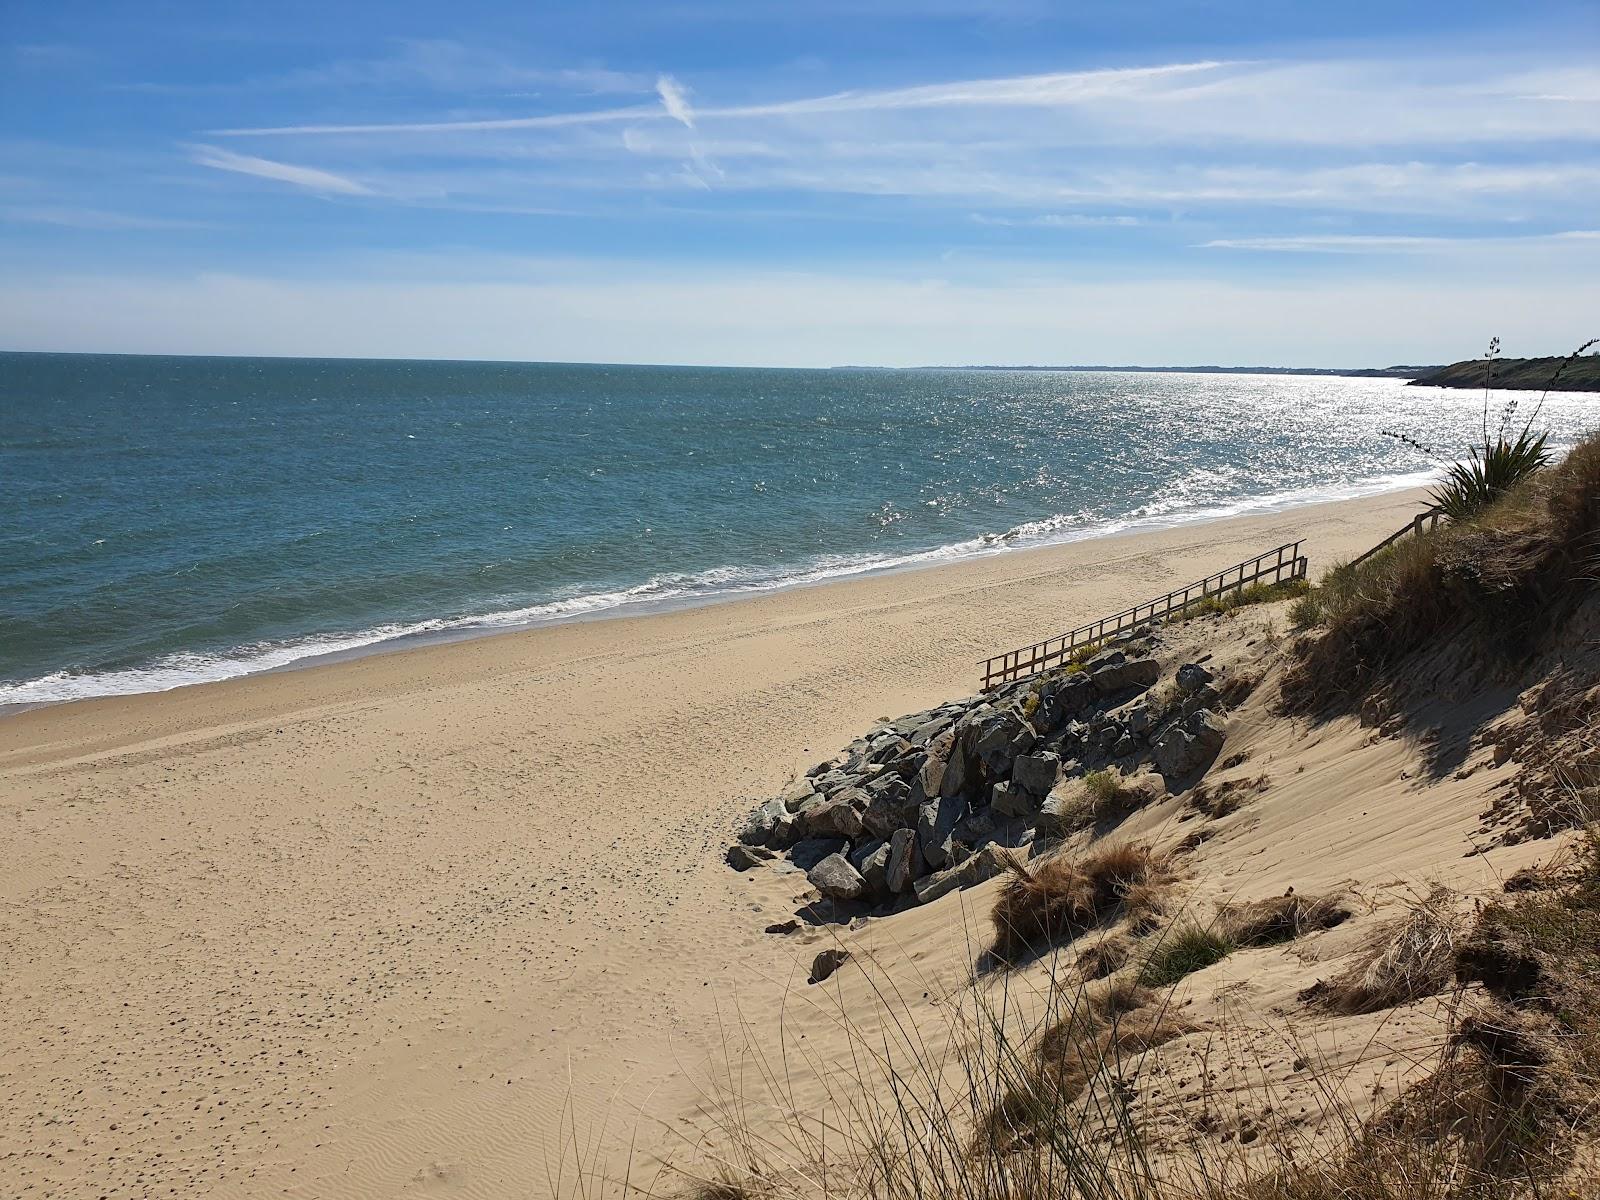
[[171, 520]]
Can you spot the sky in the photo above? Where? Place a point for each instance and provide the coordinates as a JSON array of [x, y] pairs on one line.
[[752, 183]]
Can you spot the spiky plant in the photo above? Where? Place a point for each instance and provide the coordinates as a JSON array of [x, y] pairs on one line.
[[1494, 468], [1503, 458]]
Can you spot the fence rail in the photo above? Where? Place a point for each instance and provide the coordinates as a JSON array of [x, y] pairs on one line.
[[1430, 517], [1278, 565]]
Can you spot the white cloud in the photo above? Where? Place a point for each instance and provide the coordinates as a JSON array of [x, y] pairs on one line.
[[1326, 103], [1036, 91], [1385, 244], [675, 100], [310, 178], [69, 217], [1057, 221]]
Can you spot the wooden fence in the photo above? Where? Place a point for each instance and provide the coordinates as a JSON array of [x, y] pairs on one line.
[[1275, 566], [1430, 518]]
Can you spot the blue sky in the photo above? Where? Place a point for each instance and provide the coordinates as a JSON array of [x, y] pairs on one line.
[[733, 181]]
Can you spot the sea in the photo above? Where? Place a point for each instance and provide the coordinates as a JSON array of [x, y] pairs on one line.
[[173, 520]]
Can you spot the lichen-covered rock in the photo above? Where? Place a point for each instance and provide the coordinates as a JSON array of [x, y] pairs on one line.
[[871, 861], [936, 822], [1187, 747], [759, 828], [983, 864], [905, 861], [836, 879], [1010, 799], [839, 816], [1192, 677], [742, 858], [797, 793], [827, 962], [1128, 673]]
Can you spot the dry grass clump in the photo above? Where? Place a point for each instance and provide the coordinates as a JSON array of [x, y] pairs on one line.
[[1216, 800], [1280, 918], [723, 1189], [1403, 960], [1103, 1034], [1106, 957], [1061, 897], [1505, 1114]]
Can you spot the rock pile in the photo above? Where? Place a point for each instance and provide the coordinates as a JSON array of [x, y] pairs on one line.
[[923, 805]]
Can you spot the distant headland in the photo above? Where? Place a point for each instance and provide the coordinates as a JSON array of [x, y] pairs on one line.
[[1576, 374], [1397, 372]]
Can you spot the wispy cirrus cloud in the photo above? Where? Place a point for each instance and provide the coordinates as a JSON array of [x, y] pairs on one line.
[[1039, 91], [675, 100], [1057, 221], [1327, 103], [310, 178], [69, 217], [1395, 244], [424, 64]]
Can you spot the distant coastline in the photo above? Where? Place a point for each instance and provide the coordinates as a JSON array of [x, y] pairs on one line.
[[1396, 372]]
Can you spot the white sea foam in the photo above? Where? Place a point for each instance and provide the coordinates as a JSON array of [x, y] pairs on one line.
[[671, 590]]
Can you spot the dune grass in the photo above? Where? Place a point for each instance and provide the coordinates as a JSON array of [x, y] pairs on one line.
[[1039, 1105], [1188, 948], [1063, 896], [1498, 574], [1280, 918], [1254, 593], [1404, 959]]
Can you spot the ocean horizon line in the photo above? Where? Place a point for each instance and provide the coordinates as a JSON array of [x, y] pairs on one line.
[[1091, 368]]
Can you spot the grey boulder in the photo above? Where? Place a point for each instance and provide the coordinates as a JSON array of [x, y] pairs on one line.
[[742, 858], [936, 822], [836, 879], [809, 852], [1036, 773], [838, 817], [1009, 799], [826, 963], [871, 861], [797, 793], [758, 830], [1132, 672], [905, 861], [1184, 749], [984, 864]]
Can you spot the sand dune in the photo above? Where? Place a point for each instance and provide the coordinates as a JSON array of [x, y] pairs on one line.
[[390, 927]]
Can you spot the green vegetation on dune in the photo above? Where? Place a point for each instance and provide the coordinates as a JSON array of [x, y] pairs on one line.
[[1520, 374]]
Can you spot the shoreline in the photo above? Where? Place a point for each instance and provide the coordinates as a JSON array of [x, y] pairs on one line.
[[471, 628], [421, 915]]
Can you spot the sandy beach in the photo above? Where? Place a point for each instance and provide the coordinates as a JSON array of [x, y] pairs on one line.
[[388, 927]]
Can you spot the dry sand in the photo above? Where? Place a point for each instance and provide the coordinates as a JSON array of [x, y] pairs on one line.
[[386, 927]]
